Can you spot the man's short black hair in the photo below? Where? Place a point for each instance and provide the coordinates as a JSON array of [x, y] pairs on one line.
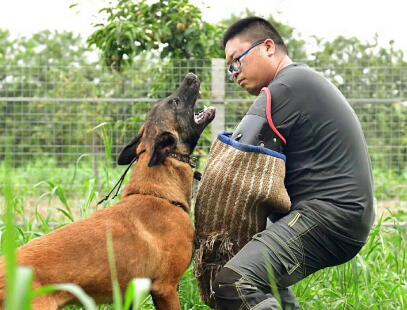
[[254, 29]]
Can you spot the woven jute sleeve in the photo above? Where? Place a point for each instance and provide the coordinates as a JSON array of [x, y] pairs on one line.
[[238, 191]]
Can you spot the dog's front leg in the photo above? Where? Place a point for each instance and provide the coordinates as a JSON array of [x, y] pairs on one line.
[[166, 298]]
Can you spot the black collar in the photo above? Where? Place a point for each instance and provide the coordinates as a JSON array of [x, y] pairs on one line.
[[189, 159]]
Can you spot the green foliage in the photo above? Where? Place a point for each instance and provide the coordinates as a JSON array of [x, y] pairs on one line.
[[374, 279], [29, 69], [362, 69], [174, 29], [390, 184], [4, 44]]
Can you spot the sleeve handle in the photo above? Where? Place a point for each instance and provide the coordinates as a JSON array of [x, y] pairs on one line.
[[268, 114]]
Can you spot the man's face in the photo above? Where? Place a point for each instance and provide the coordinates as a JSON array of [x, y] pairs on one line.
[[252, 73]]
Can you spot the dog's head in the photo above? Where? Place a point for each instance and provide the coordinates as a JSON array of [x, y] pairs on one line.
[[172, 126]]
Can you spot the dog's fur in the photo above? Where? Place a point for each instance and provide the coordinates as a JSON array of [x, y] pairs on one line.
[[151, 229]]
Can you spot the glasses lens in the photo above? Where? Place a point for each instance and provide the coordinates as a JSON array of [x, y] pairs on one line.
[[230, 75], [234, 67]]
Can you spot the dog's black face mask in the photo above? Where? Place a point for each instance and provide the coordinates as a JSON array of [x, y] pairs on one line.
[[172, 125]]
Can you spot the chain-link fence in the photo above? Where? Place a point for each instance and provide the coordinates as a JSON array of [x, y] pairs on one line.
[[53, 116]]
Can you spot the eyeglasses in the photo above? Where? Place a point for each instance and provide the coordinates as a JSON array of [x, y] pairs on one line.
[[236, 64]]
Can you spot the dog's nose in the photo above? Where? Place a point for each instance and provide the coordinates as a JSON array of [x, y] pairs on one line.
[[191, 78]]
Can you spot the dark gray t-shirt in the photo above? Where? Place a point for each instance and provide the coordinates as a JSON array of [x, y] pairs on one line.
[[328, 166]]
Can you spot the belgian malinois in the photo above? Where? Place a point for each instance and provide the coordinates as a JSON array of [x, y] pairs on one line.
[[151, 229]]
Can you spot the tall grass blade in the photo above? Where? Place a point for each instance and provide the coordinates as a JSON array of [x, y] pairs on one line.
[[136, 293], [22, 293], [87, 302], [272, 281], [58, 191], [71, 184], [66, 213], [10, 238], [90, 197], [117, 295], [104, 130]]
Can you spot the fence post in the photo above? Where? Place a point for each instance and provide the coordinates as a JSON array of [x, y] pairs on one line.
[[218, 95]]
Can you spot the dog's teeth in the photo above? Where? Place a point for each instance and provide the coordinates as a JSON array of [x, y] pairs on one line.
[[200, 116]]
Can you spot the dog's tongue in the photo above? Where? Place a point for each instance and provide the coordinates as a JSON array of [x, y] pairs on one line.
[[204, 115]]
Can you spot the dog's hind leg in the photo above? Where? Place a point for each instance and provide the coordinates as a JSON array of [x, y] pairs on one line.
[[39, 303], [165, 297], [45, 303]]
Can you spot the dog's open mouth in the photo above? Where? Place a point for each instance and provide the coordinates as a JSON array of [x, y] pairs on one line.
[[205, 116]]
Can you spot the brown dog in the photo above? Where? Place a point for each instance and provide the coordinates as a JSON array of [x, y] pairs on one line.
[[151, 229]]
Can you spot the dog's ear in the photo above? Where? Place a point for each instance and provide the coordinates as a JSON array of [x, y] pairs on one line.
[[164, 144], [129, 151]]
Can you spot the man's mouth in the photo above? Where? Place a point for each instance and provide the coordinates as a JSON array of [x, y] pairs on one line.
[[240, 82], [205, 116]]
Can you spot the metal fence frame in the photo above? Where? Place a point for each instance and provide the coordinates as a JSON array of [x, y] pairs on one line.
[[220, 93]]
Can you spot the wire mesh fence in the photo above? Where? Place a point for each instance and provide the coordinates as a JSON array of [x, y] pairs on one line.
[[52, 116]]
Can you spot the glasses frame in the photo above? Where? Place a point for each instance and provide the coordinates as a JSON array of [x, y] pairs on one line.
[[236, 64]]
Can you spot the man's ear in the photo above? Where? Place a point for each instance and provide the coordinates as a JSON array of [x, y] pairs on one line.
[[164, 145], [271, 47], [128, 153]]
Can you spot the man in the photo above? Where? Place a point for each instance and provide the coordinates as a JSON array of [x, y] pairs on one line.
[[328, 172]]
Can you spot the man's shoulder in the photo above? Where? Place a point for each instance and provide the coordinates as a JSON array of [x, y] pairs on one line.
[[298, 81], [295, 74]]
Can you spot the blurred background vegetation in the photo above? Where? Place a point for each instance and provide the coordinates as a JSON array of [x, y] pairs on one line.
[[140, 53]]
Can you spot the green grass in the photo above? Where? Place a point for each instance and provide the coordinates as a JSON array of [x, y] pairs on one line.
[[390, 184], [31, 178], [375, 279]]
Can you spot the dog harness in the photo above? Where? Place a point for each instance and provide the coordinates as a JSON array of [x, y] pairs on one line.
[[241, 185]]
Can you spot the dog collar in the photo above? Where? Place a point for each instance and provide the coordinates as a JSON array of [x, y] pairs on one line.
[[189, 159]]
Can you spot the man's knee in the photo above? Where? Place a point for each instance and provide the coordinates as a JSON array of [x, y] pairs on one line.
[[225, 289], [233, 291]]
